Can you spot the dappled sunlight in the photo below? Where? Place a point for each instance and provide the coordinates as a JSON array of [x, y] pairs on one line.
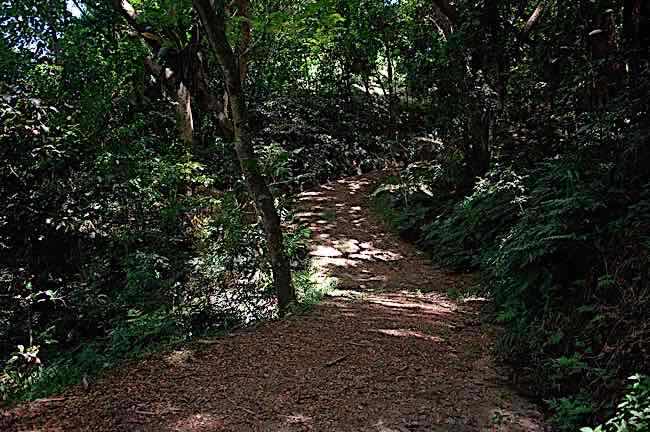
[[325, 251], [303, 215], [334, 262], [353, 185], [179, 358], [298, 419], [376, 254], [349, 246], [438, 305], [202, 422], [409, 333], [385, 351], [314, 198], [345, 235]]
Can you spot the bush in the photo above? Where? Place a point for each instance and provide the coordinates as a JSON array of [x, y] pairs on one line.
[[633, 413], [566, 257]]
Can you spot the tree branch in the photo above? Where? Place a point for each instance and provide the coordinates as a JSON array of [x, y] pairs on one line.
[[126, 10], [447, 9], [214, 24], [534, 19]]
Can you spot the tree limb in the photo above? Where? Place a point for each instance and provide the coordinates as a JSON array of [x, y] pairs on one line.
[[126, 10], [447, 9], [534, 18], [214, 23]]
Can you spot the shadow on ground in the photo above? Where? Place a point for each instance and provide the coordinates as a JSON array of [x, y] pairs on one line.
[[399, 357], [353, 246]]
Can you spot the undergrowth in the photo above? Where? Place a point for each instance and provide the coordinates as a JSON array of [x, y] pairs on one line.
[[26, 378], [565, 255], [633, 412]]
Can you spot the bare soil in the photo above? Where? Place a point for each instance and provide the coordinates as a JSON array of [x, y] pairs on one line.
[[389, 351]]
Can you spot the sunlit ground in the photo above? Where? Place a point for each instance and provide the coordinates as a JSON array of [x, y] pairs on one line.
[[396, 356], [351, 246]]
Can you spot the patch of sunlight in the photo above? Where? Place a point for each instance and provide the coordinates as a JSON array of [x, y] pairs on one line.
[[199, 423], [470, 299], [305, 215], [349, 246], [298, 419], [311, 198], [375, 278], [327, 285], [325, 251], [409, 333], [437, 307], [335, 262], [322, 283], [177, 358], [354, 186], [377, 254], [346, 293], [381, 427]]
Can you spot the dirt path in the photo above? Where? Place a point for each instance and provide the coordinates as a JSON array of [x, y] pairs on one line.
[[395, 356]]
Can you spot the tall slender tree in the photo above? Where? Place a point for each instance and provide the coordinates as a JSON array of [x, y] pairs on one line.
[[213, 18]]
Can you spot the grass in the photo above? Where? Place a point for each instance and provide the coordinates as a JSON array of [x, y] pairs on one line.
[[311, 288], [74, 367]]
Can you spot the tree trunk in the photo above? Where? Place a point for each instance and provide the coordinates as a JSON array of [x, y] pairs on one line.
[[392, 97], [534, 18], [636, 14], [184, 121], [185, 75], [243, 11], [213, 19]]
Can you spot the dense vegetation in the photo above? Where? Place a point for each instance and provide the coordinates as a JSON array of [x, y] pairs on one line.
[[556, 218], [150, 150]]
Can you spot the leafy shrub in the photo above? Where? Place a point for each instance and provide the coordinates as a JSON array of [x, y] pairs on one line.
[[565, 256], [569, 412], [633, 413], [306, 140], [458, 235]]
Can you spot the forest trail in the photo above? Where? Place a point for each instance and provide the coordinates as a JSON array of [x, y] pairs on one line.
[[390, 353]]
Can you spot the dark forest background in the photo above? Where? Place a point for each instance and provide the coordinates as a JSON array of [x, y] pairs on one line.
[[150, 151]]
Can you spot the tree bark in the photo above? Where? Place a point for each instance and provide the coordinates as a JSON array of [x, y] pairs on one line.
[[534, 18], [184, 112], [447, 9], [244, 43], [184, 78], [213, 20], [636, 14]]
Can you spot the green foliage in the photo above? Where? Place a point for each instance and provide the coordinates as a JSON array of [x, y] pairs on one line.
[[311, 288], [543, 243], [569, 412], [459, 235], [633, 413], [529, 163], [307, 140]]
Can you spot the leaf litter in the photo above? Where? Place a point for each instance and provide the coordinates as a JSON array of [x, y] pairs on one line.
[[391, 354]]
